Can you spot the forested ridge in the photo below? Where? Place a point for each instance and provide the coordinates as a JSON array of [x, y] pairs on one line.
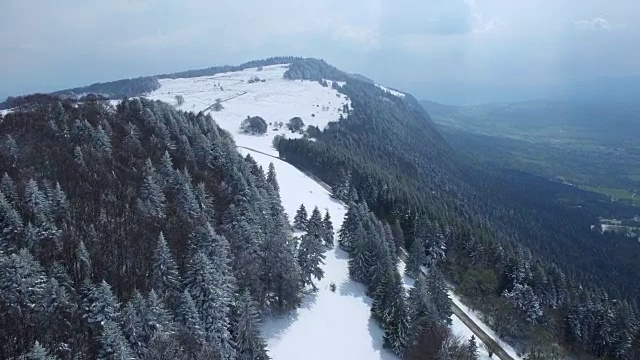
[[532, 265], [137, 231]]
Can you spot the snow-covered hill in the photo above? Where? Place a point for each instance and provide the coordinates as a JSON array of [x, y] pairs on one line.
[[275, 99], [329, 325]]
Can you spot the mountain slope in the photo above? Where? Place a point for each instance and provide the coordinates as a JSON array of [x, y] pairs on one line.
[[529, 263]]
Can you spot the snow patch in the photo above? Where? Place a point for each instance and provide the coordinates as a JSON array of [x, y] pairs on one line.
[[275, 100], [392, 92], [328, 325]]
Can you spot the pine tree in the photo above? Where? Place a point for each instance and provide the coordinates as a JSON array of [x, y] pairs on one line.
[[300, 220], [310, 257], [472, 348], [437, 289], [151, 199], [165, 279], [10, 226], [157, 319], [189, 320], [359, 256], [417, 258], [341, 185], [113, 345], [398, 234], [314, 224], [38, 352], [280, 273], [327, 234], [271, 177], [100, 305], [420, 309], [249, 341], [8, 189], [209, 292], [132, 322], [166, 172], [395, 321]]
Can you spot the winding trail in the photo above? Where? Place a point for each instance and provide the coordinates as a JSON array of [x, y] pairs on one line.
[[457, 311]]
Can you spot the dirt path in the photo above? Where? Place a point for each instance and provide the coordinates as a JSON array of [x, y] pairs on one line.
[[491, 344]]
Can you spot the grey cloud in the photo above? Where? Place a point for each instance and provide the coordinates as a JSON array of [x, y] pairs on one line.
[[438, 17]]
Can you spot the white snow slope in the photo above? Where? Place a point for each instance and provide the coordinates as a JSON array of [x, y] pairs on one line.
[[392, 92], [275, 100]]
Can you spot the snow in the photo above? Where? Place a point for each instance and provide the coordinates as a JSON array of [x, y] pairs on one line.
[[474, 316], [392, 92], [328, 325], [5, 112], [460, 329], [275, 100]]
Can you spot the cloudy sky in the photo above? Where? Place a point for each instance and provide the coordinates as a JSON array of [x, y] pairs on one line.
[[447, 50]]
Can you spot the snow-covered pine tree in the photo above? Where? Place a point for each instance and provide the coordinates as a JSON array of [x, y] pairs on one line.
[[417, 258], [82, 264], [151, 199], [165, 278], [341, 185], [206, 285], [523, 298], [157, 318], [10, 226], [113, 345], [246, 329], [395, 322], [279, 273], [472, 348], [100, 305], [271, 177], [314, 224], [327, 230], [310, 257], [398, 234], [38, 352], [352, 219], [8, 189], [300, 220], [189, 322], [420, 309], [131, 321], [437, 289], [359, 256]]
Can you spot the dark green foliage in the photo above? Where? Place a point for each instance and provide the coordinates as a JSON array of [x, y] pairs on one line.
[[254, 125], [417, 258], [96, 188], [310, 257], [115, 89], [295, 124], [327, 230], [300, 220], [246, 332]]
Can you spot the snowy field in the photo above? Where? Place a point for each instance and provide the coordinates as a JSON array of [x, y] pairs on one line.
[[275, 100]]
